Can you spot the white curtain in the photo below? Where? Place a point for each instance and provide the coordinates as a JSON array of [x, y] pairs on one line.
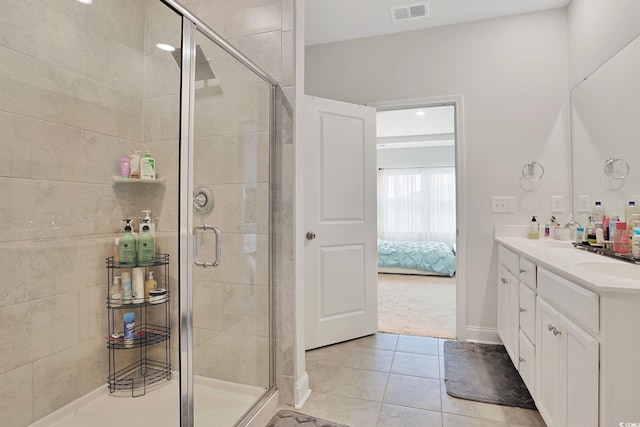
[[417, 204]]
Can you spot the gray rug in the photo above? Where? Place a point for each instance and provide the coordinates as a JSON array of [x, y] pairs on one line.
[[485, 373], [286, 418]]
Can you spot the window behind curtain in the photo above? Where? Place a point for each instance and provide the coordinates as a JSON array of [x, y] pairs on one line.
[[417, 204]]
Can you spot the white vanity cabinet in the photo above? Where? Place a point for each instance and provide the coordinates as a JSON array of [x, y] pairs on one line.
[[582, 330]]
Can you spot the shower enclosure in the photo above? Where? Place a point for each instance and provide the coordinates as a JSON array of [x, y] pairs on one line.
[[82, 85]]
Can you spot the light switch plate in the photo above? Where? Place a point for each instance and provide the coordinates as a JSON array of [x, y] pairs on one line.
[[557, 204], [584, 204], [503, 204]]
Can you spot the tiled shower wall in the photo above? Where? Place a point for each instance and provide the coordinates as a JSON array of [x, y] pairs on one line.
[[79, 88], [70, 104]]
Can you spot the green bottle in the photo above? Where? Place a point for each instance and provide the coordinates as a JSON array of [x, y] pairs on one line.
[[146, 247], [127, 247]]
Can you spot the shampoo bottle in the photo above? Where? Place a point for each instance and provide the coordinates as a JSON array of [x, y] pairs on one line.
[[137, 284], [134, 168], [147, 167], [146, 247], [127, 247]]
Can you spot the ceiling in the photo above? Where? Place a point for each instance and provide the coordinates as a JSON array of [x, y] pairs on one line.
[[336, 20]]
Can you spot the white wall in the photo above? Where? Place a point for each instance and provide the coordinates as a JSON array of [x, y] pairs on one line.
[[416, 157], [597, 30], [512, 73]]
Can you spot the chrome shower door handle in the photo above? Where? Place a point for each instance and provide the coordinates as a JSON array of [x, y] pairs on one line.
[[205, 228]]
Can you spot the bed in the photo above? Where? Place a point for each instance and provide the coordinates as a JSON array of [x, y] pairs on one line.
[[426, 258]]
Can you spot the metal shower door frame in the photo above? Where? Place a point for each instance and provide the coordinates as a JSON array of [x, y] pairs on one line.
[[190, 24]]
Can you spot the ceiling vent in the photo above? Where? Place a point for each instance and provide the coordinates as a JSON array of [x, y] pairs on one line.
[[411, 11]]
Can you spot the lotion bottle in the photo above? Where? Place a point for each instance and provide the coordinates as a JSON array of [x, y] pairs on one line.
[[149, 285], [635, 243], [147, 167]]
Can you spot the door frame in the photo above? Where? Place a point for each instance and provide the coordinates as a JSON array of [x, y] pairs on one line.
[[461, 265]]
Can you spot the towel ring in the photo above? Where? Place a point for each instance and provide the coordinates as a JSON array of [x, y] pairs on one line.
[[612, 172], [529, 171]]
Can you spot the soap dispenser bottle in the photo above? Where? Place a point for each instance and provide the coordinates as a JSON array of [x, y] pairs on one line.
[[534, 231], [147, 167], [147, 220], [127, 247], [146, 247]]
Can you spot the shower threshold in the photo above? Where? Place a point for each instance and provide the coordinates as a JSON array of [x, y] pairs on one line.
[[215, 400]]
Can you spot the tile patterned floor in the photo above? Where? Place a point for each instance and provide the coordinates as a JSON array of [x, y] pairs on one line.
[[387, 380]]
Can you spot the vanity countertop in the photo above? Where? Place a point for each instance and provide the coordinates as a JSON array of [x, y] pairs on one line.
[[596, 272]]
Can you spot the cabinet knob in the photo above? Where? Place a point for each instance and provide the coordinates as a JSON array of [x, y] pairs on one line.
[[522, 359], [550, 327], [522, 310], [503, 280], [555, 330], [522, 270]]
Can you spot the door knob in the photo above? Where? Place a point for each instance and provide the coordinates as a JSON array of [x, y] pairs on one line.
[[311, 235]]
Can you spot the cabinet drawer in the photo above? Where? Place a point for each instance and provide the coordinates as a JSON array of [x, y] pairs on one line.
[[528, 273], [527, 362], [509, 259], [578, 303], [528, 312]]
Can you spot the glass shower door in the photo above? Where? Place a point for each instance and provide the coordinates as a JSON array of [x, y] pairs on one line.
[[228, 226]]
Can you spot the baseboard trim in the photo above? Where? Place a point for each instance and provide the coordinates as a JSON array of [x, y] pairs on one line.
[[483, 335], [301, 392]]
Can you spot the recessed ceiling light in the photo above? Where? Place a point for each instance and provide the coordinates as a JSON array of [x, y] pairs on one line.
[[85, 1], [164, 46], [419, 113]]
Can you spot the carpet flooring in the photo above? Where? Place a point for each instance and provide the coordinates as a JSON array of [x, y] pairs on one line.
[[484, 373], [286, 418], [417, 305]]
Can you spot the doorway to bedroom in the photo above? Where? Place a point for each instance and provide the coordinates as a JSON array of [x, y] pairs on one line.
[[416, 161]]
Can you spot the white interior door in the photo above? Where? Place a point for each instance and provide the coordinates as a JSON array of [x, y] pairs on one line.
[[340, 221]]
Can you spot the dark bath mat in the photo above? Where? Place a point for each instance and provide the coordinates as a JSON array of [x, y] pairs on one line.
[[286, 418], [485, 373]]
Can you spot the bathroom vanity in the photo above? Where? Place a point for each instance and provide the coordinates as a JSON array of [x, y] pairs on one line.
[[570, 321]]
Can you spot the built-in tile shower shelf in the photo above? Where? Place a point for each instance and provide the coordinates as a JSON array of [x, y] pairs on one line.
[[162, 181]]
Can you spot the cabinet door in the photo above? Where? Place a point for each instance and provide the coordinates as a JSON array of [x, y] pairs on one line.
[[527, 312], [580, 376], [548, 353], [528, 273], [514, 320], [503, 305], [526, 365]]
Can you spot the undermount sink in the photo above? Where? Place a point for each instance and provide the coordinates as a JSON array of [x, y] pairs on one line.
[[617, 269]]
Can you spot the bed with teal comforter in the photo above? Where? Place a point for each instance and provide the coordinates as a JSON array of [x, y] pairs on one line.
[[435, 257]]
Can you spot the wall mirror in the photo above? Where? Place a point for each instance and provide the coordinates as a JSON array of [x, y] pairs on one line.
[[605, 125]]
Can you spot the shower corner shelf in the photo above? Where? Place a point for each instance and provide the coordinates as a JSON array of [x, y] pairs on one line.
[[161, 181], [130, 366]]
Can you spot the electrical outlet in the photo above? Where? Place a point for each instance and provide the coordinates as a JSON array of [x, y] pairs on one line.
[[584, 204], [557, 204]]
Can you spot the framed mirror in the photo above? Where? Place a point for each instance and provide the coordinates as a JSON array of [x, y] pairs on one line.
[[605, 124]]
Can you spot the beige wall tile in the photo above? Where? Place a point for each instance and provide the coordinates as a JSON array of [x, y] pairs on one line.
[[40, 90], [288, 15], [60, 39], [162, 118], [16, 394], [245, 17], [68, 375], [246, 309], [72, 8], [161, 74], [101, 157], [18, 25], [121, 20], [288, 63], [36, 329], [16, 209], [264, 49], [220, 113], [36, 149], [208, 305], [93, 313], [162, 25], [211, 12], [226, 68]]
